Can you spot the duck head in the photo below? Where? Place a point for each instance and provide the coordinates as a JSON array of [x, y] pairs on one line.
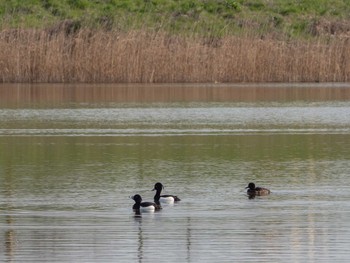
[[158, 187], [251, 186], [137, 198]]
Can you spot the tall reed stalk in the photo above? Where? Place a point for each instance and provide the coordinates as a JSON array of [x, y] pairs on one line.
[[146, 57]]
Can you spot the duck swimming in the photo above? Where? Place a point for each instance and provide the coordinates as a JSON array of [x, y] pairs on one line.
[[256, 190], [169, 199], [140, 206]]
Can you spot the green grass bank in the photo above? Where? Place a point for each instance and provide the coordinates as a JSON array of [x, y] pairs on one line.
[[294, 18]]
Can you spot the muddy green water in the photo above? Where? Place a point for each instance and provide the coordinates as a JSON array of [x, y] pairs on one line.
[[70, 157]]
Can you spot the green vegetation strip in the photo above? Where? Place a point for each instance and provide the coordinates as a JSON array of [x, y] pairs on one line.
[[287, 18]]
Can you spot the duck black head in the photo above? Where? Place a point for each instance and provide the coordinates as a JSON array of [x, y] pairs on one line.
[[137, 198], [158, 186], [251, 186]]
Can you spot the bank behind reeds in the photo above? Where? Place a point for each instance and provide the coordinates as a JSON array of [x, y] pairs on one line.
[[146, 57]]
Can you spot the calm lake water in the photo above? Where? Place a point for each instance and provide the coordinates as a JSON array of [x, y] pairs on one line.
[[70, 157]]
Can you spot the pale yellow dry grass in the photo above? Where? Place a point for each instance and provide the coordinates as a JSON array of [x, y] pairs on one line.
[[156, 57]]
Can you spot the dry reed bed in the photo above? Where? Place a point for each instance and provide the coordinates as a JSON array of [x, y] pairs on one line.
[[146, 57]]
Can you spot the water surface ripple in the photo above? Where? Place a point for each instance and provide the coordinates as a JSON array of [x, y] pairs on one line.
[[174, 120], [66, 174]]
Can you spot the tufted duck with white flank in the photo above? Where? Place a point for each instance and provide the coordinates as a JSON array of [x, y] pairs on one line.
[[140, 206], [256, 190], [169, 199]]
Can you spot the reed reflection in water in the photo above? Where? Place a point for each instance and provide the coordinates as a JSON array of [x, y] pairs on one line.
[[58, 95], [64, 193]]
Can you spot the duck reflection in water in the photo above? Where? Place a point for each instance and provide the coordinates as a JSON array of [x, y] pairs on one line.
[[10, 240], [256, 191], [138, 220]]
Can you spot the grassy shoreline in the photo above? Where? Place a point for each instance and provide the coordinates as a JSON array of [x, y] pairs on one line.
[[273, 18], [181, 41]]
